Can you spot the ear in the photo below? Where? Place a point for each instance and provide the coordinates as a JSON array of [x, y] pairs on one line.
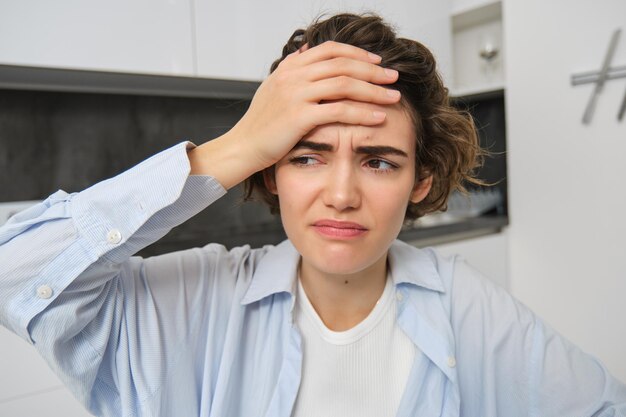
[[270, 180], [421, 189]]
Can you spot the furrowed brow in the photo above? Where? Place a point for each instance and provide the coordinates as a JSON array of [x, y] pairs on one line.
[[368, 150], [315, 146], [381, 150]]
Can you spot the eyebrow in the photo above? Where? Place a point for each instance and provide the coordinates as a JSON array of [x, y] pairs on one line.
[[368, 150]]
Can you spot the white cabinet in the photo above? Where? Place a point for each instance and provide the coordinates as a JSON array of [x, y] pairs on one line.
[[138, 36], [489, 254], [57, 401], [27, 386], [234, 40], [239, 39]]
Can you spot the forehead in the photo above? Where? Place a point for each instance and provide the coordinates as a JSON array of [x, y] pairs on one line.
[[397, 130]]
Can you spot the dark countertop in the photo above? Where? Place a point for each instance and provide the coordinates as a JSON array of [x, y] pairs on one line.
[[260, 235], [454, 231]]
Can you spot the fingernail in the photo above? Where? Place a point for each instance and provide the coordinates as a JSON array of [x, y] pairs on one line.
[[391, 73], [393, 93], [378, 115], [374, 57]]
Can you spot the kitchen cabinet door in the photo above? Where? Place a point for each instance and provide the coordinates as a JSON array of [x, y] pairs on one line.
[[489, 254], [138, 36], [239, 39], [28, 387]]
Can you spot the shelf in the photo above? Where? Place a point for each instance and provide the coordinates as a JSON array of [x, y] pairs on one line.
[[476, 15], [477, 33], [454, 231], [52, 79], [478, 92]]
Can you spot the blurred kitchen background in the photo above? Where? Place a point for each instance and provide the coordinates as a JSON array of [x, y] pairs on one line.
[[89, 89]]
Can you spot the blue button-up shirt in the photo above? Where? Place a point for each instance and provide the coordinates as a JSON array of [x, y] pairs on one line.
[[209, 331]]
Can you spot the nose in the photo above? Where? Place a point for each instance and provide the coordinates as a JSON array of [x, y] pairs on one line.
[[342, 189]]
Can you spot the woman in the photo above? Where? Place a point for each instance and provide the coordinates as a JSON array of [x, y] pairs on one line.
[[341, 319]]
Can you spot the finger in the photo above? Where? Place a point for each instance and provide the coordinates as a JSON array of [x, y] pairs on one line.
[[297, 51], [344, 87], [347, 112], [294, 53], [351, 67], [332, 49]]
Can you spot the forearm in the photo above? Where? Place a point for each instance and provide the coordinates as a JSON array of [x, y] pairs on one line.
[[52, 243], [226, 158]]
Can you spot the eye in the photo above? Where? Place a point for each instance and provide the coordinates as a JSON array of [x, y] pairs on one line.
[[380, 165], [303, 160]]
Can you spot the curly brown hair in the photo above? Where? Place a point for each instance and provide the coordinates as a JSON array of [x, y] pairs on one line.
[[447, 142]]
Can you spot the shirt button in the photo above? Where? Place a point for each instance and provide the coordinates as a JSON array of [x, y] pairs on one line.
[[399, 296], [114, 236], [451, 361], [44, 292]]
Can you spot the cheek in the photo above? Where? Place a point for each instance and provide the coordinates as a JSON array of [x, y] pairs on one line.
[[391, 202], [391, 199], [293, 190]]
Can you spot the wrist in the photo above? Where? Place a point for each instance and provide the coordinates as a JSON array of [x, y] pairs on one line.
[[225, 158]]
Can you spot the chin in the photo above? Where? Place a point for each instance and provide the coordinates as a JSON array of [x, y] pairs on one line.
[[336, 266], [339, 258]]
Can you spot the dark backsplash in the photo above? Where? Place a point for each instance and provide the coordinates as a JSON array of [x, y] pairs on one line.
[[69, 141], [489, 117]]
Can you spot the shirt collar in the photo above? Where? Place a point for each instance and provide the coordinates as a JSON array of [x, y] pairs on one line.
[[277, 270], [422, 316], [411, 265]]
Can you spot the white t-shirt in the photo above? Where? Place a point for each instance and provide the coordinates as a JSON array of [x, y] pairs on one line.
[[358, 372]]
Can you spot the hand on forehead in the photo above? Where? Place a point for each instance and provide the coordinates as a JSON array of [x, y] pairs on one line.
[[396, 128]]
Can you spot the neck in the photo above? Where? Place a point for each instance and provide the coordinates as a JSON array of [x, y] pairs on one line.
[[343, 300]]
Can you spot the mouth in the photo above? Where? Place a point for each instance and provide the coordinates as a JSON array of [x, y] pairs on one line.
[[337, 229]]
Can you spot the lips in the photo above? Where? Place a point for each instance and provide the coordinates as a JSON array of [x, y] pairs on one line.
[[339, 224], [336, 229]]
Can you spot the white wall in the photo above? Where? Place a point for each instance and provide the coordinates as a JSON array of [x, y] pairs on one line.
[[567, 192]]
